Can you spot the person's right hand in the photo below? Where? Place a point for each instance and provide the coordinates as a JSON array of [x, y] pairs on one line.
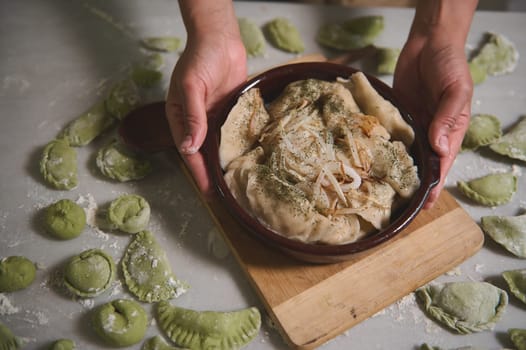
[[210, 67]]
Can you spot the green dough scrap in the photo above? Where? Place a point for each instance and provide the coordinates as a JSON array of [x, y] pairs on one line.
[[63, 344], [483, 130], [497, 56], [518, 337], [147, 272], [284, 35], [8, 341], [16, 273], [122, 98], [252, 37], [513, 143], [130, 213], [90, 273], [161, 43], [58, 165], [387, 58], [120, 323], [508, 231], [119, 163], [516, 280], [490, 190], [64, 219], [157, 343], [86, 127], [351, 34], [208, 329], [464, 307]]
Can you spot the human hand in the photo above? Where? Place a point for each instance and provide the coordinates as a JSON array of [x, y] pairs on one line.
[[432, 78], [209, 68]]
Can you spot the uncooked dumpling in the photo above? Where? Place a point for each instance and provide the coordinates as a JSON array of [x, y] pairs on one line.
[[284, 35], [372, 103], [8, 341], [130, 213], [351, 34], [88, 125], [518, 337], [508, 231], [483, 130], [243, 126], [147, 272], [208, 329], [161, 43], [90, 273], [252, 37], [123, 98], [464, 307], [58, 165], [64, 219], [16, 273], [513, 143], [497, 56], [386, 57], [490, 190], [120, 323], [516, 280], [63, 344], [157, 343], [119, 163]]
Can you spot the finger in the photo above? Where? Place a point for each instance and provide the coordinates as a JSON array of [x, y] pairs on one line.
[[196, 163], [194, 117]]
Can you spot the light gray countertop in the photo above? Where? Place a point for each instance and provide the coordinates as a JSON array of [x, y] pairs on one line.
[[57, 57]]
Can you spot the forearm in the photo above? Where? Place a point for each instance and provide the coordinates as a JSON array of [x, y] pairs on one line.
[[205, 17], [451, 18]]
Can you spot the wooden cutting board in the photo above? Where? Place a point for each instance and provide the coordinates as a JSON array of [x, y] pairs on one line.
[[311, 304]]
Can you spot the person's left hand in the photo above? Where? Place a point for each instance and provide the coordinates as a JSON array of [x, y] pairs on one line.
[[432, 79]]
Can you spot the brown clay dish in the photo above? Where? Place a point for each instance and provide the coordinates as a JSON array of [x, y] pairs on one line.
[[271, 84]]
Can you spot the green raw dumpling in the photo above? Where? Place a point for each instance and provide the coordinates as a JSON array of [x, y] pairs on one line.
[[119, 163], [90, 273], [63, 344], [157, 343], [478, 73], [428, 347], [284, 35], [8, 341], [64, 219], [252, 37], [120, 323], [464, 307], [351, 34], [58, 165], [490, 190], [513, 143], [516, 280], [146, 73], [518, 338], [147, 272], [208, 329], [122, 98], [508, 231], [483, 130], [130, 213], [386, 60], [497, 56], [16, 273], [161, 43], [87, 126]]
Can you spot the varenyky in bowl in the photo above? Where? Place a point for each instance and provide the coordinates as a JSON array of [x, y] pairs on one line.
[[325, 162]]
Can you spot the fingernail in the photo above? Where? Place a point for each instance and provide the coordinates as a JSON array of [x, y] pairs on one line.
[[186, 146], [443, 144]]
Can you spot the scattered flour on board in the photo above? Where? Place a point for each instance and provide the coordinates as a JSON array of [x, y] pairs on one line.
[[6, 307]]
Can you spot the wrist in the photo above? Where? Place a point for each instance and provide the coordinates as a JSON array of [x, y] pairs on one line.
[[446, 18]]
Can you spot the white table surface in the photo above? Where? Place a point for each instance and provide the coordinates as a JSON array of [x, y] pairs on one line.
[[56, 59]]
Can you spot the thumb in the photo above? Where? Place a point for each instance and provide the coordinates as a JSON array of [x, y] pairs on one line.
[[194, 119]]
